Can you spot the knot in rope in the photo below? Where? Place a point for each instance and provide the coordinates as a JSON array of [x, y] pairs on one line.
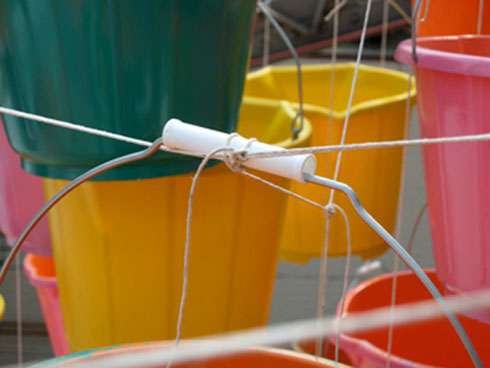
[[330, 209], [234, 159]]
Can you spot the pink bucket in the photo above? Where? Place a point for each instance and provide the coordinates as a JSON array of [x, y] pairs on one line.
[[41, 274], [453, 83], [21, 195]]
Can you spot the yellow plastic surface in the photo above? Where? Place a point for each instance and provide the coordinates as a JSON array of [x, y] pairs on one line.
[[119, 248], [378, 114], [2, 307]]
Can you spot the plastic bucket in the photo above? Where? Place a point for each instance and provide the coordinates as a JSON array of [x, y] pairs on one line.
[[21, 195], [378, 114], [124, 67], [41, 274], [422, 344], [254, 357], [453, 17], [453, 79], [119, 246], [328, 350], [2, 307]]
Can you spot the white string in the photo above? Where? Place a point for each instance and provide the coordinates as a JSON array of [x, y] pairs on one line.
[[480, 17], [265, 154], [229, 343], [18, 311], [346, 278], [322, 280], [267, 37], [400, 11], [322, 284], [384, 33], [351, 96], [416, 227], [188, 241], [398, 226]]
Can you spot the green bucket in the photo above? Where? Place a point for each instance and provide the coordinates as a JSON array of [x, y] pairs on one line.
[[121, 66]]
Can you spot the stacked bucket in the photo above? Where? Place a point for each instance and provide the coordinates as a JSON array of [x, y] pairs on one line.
[[117, 242], [452, 70]]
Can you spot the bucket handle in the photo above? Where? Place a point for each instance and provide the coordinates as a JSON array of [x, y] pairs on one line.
[[294, 128]]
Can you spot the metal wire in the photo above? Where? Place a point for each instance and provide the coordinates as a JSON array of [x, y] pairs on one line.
[[265, 10], [403, 255], [155, 146]]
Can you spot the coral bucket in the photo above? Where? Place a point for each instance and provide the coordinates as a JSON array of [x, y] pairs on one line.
[[378, 114], [119, 246], [422, 344], [453, 80], [21, 195], [253, 357], [121, 66], [41, 274], [453, 17]]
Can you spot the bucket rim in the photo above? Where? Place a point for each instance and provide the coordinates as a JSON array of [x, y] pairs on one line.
[[445, 61], [32, 274], [356, 108], [353, 345], [79, 357]]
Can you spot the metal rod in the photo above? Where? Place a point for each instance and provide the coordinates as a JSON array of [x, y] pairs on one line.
[[414, 28], [404, 256], [67, 189], [266, 11]]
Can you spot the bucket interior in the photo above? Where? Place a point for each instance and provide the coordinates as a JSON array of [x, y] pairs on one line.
[[373, 84], [269, 122], [431, 342], [39, 267], [464, 45]]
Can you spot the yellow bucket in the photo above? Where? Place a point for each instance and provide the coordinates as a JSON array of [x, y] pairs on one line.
[[378, 114], [119, 248]]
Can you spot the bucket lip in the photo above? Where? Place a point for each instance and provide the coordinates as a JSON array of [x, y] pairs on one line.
[[339, 114], [304, 135], [364, 348], [444, 61], [33, 275], [115, 349]]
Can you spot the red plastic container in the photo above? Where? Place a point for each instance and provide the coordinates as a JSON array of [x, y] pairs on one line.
[[422, 344], [41, 274], [453, 17]]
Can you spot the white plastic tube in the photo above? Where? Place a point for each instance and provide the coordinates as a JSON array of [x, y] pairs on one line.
[[181, 136]]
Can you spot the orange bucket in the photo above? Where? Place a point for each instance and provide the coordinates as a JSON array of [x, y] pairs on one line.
[[254, 357], [421, 344], [453, 17]]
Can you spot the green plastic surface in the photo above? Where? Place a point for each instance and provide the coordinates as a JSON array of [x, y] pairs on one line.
[[125, 66]]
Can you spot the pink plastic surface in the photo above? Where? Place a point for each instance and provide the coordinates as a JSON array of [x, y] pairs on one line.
[[21, 195], [453, 88], [47, 291]]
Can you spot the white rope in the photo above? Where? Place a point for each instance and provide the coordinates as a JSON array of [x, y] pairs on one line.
[[400, 210], [279, 153], [18, 311], [400, 11], [188, 241], [384, 33], [416, 227], [322, 277], [322, 284], [227, 344], [398, 227], [371, 145], [346, 278], [480, 17]]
